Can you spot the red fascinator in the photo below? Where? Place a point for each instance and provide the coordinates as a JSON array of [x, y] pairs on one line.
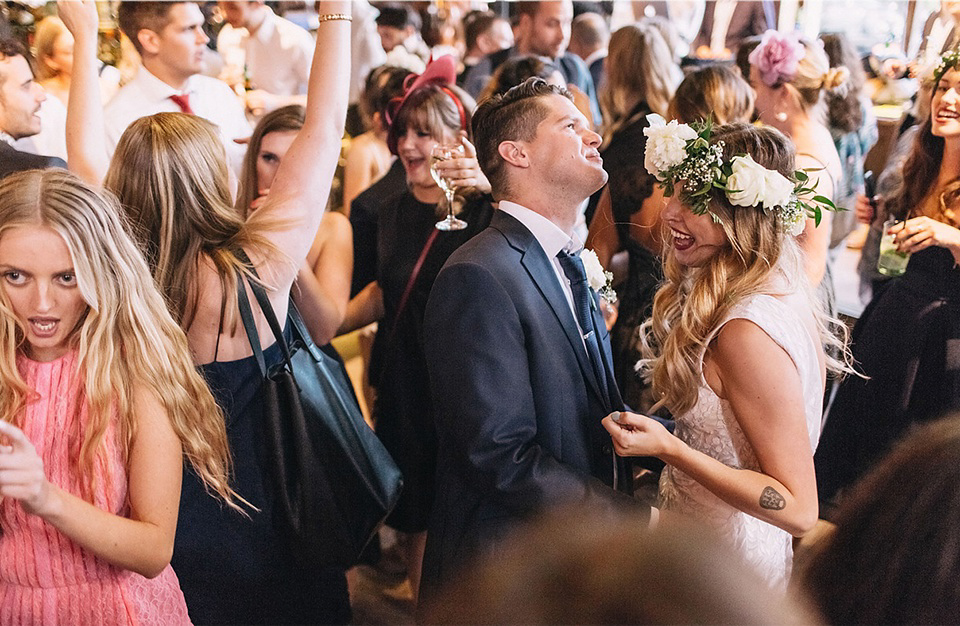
[[441, 72]]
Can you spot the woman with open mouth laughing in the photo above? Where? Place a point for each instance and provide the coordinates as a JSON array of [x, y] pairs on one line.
[[410, 252], [735, 345], [901, 341]]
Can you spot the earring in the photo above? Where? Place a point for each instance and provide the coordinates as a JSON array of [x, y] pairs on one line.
[[780, 116]]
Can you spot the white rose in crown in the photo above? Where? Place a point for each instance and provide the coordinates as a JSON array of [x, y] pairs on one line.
[[752, 184], [666, 144], [779, 190]]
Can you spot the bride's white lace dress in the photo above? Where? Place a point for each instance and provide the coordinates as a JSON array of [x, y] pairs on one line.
[[711, 427]]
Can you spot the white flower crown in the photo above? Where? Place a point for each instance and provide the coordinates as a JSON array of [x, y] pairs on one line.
[[680, 152]]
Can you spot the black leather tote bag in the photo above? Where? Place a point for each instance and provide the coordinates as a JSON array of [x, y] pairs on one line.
[[333, 481]]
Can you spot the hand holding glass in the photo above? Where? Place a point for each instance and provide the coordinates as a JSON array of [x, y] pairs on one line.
[[440, 153], [892, 262]]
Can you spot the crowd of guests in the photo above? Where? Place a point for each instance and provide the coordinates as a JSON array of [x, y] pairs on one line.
[[526, 393]]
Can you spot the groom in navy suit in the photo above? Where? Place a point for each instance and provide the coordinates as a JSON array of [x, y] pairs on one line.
[[517, 351]]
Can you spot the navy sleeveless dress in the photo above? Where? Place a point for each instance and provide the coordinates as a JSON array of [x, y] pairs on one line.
[[238, 570]]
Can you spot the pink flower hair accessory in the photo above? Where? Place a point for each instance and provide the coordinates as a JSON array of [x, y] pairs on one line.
[[777, 56]]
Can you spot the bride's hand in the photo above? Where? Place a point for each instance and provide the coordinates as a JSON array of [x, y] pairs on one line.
[[637, 435]]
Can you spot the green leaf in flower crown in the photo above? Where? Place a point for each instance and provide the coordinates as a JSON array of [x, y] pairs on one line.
[[817, 215], [801, 176], [825, 200]]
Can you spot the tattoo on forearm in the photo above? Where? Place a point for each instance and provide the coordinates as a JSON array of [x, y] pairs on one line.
[[771, 499]]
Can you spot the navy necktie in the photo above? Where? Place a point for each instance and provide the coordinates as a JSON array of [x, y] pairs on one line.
[[574, 271]]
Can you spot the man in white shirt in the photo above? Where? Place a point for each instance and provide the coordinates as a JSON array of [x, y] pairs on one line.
[[275, 52], [170, 39]]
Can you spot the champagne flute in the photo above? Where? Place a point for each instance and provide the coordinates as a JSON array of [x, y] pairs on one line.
[[440, 153]]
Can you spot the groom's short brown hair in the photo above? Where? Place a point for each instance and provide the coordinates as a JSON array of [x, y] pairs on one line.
[[513, 116]]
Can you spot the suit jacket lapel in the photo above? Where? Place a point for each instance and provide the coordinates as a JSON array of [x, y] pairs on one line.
[[539, 267]]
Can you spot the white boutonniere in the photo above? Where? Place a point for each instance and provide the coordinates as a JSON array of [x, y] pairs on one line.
[[598, 278]]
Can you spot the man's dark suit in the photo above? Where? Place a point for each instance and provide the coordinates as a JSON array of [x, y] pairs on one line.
[[518, 405], [13, 161]]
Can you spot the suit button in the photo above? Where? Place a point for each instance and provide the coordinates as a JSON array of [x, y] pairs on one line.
[[607, 448]]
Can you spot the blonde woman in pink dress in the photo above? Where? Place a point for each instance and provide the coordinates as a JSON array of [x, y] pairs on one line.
[[99, 405]]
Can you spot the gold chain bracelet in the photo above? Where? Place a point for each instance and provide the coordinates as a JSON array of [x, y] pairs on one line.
[[329, 17]]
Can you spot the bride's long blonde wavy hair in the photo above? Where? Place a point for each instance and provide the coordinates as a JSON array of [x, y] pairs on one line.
[[126, 341], [693, 301]]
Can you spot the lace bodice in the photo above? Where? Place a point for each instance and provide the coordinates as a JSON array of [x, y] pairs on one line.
[[712, 428]]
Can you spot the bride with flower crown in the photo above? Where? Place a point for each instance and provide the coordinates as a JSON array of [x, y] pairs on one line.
[[735, 345]]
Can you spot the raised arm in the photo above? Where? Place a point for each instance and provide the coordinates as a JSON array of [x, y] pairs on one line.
[[86, 138], [291, 214], [142, 543], [763, 387], [323, 284]]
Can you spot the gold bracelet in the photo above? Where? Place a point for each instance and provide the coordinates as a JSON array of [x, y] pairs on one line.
[[329, 17]]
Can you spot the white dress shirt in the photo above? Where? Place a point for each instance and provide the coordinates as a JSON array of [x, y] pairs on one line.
[[552, 240], [210, 98], [277, 57]]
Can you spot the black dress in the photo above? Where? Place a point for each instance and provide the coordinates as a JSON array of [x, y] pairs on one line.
[[238, 570], [630, 184], [403, 411], [905, 342]]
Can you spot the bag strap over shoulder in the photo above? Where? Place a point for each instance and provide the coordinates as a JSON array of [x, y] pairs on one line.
[[249, 324], [263, 300]]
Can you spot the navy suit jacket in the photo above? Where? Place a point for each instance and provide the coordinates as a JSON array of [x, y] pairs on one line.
[[13, 161], [518, 407]]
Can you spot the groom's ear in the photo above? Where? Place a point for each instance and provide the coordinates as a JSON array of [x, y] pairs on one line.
[[514, 153]]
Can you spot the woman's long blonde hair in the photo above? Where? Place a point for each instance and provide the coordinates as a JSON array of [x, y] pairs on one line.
[[694, 301], [169, 172], [126, 341], [638, 70]]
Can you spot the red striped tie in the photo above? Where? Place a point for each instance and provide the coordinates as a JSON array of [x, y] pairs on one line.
[[183, 102]]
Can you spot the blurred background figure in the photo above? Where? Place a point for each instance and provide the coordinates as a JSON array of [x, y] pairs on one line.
[[266, 57], [589, 37], [893, 556], [485, 32], [791, 99], [398, 25], [853, 127], [541, 29], [728, 22], [576, 568], [53, 60], [369, 157]]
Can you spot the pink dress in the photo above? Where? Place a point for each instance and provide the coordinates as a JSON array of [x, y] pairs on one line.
[[45, 578]]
